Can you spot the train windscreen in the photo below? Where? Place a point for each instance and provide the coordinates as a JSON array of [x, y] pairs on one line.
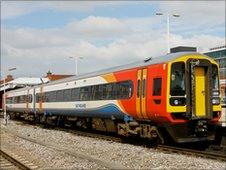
[[177, 84]]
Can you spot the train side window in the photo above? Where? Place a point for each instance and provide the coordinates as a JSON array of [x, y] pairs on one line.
[[52, 96], [67, 95], [9, 100], [124, 90], [157, 88], [97, 92], [85, 93], [59, 96], [75, 94]]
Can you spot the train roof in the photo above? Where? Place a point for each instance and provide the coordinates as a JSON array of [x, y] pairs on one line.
[[146, 62], [149, 61]]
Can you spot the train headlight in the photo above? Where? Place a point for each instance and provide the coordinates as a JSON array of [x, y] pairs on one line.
[[215, 93], [216, 101], [176, 102]]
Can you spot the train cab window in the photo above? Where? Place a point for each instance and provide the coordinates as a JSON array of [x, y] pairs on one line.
[[215, 78], [157, 86], [215, 83], [177, 83]]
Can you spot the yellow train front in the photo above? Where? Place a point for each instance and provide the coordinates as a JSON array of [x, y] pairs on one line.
[[193, 98]]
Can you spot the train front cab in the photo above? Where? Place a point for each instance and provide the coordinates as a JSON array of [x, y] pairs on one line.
[[193, 98]]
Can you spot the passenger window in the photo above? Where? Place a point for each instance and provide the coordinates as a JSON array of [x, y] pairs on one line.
[[75, 94], [59, 95], [157, 88], [67, 95]]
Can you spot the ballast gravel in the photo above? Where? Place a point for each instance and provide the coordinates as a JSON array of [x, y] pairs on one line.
[[127, 155]]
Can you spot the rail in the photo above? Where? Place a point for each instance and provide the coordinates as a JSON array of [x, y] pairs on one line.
[[14, 162]]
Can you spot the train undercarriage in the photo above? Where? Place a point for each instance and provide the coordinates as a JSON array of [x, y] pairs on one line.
[[166, 133]]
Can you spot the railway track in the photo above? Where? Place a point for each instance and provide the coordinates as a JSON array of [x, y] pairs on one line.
[[69, 151], [9, 162], [165, 148], [192, 152], [210, 154]]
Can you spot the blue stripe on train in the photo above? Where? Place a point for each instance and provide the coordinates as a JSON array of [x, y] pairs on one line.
[[106, 111]]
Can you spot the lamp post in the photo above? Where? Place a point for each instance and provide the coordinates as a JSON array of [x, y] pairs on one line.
[[76, 63], [4, 98], [168, 27]]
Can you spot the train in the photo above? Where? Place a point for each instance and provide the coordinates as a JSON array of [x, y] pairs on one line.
[[172, 97]]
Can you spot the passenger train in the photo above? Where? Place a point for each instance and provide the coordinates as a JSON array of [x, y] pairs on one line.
[[175, 96]]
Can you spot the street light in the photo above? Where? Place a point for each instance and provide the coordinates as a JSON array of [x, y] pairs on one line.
[[168, 27], [4, 98], [76, 63]]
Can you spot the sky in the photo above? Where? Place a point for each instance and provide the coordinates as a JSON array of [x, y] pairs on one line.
[[40, 36]]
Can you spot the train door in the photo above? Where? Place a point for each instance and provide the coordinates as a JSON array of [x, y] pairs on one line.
[[200, 72], [141, 93], [200, 108]]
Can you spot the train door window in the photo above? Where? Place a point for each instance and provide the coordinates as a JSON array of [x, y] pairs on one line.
[[30, 98], [177, 85], [157, 88], [59, 95], [144, 88], [138, 88]]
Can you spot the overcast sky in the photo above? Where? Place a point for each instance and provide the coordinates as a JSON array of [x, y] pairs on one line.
[[41, 36]]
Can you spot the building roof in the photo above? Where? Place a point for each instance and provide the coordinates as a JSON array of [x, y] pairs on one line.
[[53, 77], [22, 82]]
